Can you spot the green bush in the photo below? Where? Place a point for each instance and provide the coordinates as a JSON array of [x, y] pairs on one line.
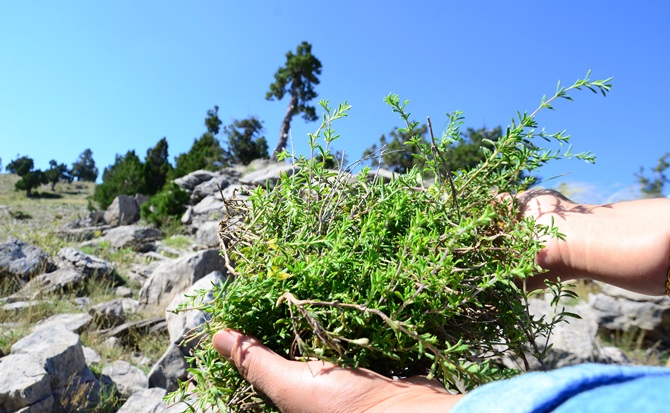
[[165, 207], [396, 277]]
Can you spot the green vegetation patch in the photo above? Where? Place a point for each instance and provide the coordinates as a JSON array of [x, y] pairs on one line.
[[390, 275]]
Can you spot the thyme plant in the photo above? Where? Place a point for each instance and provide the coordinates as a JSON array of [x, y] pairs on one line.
[[397, 276]]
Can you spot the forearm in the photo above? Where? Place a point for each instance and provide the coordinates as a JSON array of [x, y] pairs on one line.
[[626, 244]]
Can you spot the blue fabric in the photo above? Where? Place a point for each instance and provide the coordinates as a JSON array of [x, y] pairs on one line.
[[582, 388]]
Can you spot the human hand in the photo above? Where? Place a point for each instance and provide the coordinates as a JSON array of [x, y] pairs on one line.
[[626, 244], [317, 386]]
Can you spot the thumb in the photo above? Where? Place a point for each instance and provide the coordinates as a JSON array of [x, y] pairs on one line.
[[259, 365]]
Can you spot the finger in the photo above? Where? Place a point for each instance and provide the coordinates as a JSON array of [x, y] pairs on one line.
[[259, 365]]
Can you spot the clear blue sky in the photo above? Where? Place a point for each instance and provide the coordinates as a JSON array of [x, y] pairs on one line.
[[119, 75]]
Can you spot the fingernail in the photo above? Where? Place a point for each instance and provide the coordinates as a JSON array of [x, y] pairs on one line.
[[223, 342]]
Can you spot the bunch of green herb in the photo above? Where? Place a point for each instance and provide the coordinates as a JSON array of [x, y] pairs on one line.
[[392, 275]]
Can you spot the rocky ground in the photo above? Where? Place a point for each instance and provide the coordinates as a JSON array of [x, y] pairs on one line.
[[87, 299]]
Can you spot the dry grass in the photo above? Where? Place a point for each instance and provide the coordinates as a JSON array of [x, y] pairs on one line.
[[36, 219]]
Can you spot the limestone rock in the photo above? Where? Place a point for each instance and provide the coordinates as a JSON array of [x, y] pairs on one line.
[[617, 309], [57, 350], [24, 383], [124, 210], [59, 280], [179, 324], [87, 265], [23, 260], [207, 234], [74, 322], [136, 237], [268, 176], [128, 378], [190, 181], [209, 187], [145, 401], [108, 314], [171, 368], [174, 277]]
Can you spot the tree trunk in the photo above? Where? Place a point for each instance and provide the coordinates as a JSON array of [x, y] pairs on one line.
[[286, 123]]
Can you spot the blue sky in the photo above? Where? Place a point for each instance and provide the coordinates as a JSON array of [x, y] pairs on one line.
[[115, 76]]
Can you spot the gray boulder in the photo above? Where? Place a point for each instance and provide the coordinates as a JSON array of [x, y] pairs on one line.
[[617, 309], [207, 234], [74, 322], [179, 324], [24, 384], [124, 210], [23, 260], [58, 351], [187, 217], [210, 206], [572, 342], [209, 187], [127, 378], [59, 280], [145, 401], [269, 175], [108, 314], [87, 265], [171, 368], [190, 181], [174, 277], [136, 237]]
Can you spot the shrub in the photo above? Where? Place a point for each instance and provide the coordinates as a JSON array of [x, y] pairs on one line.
[[396, 277], [166, 206]]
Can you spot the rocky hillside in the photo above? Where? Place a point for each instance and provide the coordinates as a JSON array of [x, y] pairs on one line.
[[87, 299]]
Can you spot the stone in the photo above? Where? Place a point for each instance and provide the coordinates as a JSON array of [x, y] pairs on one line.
[[74, 322], [187, 218], [59, 280], [218, 183], [268, 176], [207, 234], [23, 382], [211, 206], [179, 324], [123, 292], [19, 305], [87, 265], [124, 210], [573, 341], [91, 356], [135, 237], [80, 394], [57, 350], [171, 368], [108, 314], [145, 401], [174, 277], [23, 260], [127, 378], [617, 309], [380, 173], [190, 181]]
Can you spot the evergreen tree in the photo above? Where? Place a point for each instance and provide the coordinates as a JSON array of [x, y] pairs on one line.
[[30, 179], [297, 78], [56, 173], [156, 167], [84, 168], [244, 144], [124, 177], [206, 152], [654, 187]]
